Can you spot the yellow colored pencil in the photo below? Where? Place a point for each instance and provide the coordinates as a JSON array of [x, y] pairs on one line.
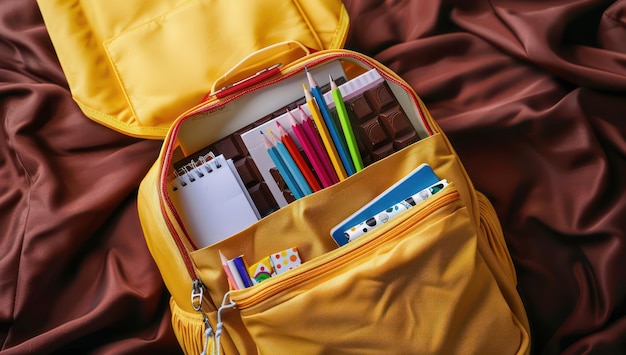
[[325, 135]]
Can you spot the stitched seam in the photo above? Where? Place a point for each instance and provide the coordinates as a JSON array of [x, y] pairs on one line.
[[106, 45], [304, 17], [340, 34], [118, 125], [167, 13]]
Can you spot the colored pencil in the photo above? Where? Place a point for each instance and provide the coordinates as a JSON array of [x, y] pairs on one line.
[[282, 168], [325, 135], [290, 163], [297, 156], [236, 275], [346, 127], [229, 274], [311, 132], [335, 134], [310, 152]]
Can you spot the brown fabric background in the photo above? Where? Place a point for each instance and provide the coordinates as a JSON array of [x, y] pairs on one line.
[[531, 93]]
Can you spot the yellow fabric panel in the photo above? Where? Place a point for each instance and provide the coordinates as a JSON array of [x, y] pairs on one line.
[[135, 66]]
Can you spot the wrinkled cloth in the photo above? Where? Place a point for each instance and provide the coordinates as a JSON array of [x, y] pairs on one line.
[[75, 272], [532, 95]]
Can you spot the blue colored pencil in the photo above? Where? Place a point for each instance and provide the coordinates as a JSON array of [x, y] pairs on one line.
[[335, 134], [282, 168], [291, 164]]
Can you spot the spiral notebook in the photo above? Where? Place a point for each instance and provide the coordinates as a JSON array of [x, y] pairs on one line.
[[211, 199]]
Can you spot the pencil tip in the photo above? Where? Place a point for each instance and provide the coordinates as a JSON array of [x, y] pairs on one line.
[[333, 85], [271, 138], [292, 120], [311, 79], [307, 93]]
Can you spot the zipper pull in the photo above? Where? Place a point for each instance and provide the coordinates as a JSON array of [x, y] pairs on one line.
[[197, 295], [244, 83]]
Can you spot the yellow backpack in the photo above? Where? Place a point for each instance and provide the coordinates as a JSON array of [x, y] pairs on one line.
[[437, 279]]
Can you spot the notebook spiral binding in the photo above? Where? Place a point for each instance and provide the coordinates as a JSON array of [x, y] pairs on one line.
[[193, 170]]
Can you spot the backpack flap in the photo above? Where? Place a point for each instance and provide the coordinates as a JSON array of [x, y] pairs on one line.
[[135, 66]]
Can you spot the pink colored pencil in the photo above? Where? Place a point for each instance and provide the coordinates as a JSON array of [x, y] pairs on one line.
[[297, 157], [316, 141], [309, 150], [228, 271]]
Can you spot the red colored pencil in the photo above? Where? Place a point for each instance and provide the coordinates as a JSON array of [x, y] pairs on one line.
[[310, 152], [297, 157]]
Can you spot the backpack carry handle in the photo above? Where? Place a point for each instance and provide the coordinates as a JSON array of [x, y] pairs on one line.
[[257, 66]]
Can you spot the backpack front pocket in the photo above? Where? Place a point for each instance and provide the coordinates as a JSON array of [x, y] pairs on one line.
[[415, 285]]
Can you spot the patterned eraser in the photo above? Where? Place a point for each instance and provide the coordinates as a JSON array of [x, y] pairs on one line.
[[261, 271], [285, 260]]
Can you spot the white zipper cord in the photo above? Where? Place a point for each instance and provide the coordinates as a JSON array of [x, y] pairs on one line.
[[208, 333], [218, 331]]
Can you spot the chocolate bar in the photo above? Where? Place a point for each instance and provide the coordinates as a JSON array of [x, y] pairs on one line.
[[380, 124]]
